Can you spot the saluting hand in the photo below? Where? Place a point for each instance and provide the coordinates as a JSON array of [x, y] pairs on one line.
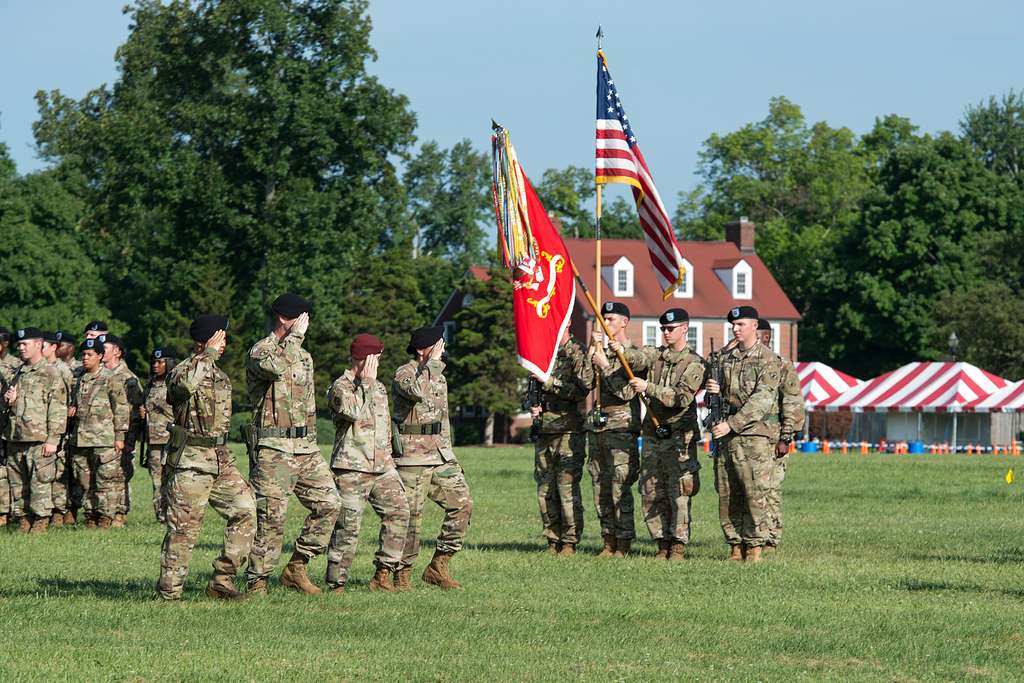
[[301, 324], [218, 341], [369, 371], [435, 353]]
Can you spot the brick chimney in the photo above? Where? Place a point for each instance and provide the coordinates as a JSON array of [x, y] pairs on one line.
[[741, 233]]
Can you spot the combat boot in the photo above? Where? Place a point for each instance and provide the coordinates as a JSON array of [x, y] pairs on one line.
[[24, 526], [609, 545], [222, 587], [381, 580], [754, 554], [71, 518], [295, 576], [57, 519], [105, 522], [437, 573], [622, 546], [3, 520], [736, 553], [403, 579], [769, 550], [568, 550], [553, 547], [339, 590], [256, 587], [118, 521], [664, 546], [677, 552], [39, 525]]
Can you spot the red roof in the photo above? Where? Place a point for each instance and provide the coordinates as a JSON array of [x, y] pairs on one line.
[[711, 298], [480, 273]]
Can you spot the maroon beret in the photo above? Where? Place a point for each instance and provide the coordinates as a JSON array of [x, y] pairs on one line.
[[365, 345]]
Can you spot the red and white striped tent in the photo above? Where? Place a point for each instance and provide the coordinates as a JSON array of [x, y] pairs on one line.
[[930, 387], [1009, 399], [820, 383]]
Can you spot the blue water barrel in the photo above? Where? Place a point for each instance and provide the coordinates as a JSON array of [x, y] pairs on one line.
[[915, 447], [809, 447]]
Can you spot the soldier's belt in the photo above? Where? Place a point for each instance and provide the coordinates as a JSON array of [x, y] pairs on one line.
[[286, 432], [206, 441], [432, 428]]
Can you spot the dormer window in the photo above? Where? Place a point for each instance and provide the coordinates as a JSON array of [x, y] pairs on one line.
[[622, 277], [685, 289], [737, 276], [741, 284]]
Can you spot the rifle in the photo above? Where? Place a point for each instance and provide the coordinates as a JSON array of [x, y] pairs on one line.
[[144, 444], [532, 401], [714, 401]]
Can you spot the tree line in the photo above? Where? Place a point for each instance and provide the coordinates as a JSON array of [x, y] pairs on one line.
[[244, 150]]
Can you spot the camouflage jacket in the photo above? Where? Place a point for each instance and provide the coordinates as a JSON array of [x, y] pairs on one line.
[[673, 380], [9, 365], [618, 399], [279, 378], [362, 437], [750, 388], [200, 394], [40, 412], [569, 383], [159, 415], [133, 390], [101, 410], [419, 394], [66, 374], [791, 400]]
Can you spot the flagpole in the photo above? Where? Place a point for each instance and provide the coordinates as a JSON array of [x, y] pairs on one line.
[[597, 257]]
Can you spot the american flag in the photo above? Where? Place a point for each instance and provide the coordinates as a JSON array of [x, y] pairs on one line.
[[619, 161]]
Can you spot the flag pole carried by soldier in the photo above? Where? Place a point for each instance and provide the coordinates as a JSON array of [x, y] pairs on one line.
[[37, 408], [114, 352], [791, 421], [613, 427], [99, 417], [285, 456], [203, 471], [157, 416], [743, 468], [364, 469], [62, 470], [425, 459], [669, 469]]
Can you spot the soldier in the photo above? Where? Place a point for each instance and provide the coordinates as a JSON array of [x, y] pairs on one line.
[[95, 328], [37, 408], [669, 471], [791, 421], [743, 468], [364, 469], [426, 461], [559, 451], [9, 365], [613, 430], [66, 352], [100, 415], [286, 458], [113, 358], [62, 473], [203, 471], [157, 416]]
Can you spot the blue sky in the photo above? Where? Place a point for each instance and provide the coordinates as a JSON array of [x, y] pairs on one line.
[[684, 69]]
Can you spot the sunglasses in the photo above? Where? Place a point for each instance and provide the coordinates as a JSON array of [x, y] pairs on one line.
[[668, 328]]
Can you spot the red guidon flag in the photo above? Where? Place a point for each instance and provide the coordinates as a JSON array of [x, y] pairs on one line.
[[544, 290]]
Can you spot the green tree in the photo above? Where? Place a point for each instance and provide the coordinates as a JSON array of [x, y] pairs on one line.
[[996, 131], [986, 319]]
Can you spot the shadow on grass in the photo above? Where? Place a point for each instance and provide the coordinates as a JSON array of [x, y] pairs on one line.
[[1004, 556], [132, 589]]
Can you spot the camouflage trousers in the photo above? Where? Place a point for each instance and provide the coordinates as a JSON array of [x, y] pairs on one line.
[[386, 495], [188, 494], [159, 474], [743, 471], [275, 477], [613, 465], [557, 469], [99, 480], [773, 500], [669, 479], [5, 485], [127, 462], [30, 476], [445, 485], [61, 481]]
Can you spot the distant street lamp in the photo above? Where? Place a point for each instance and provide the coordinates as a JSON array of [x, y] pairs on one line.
[[954, 344]]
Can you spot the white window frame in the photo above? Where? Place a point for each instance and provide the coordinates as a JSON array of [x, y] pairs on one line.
[[744, 268], [449, 331], [726, 334], [686, 290], [776, 343], [698, 329], [622, 265], [656, 326]]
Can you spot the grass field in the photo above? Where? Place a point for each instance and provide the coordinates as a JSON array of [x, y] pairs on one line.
[[893, 568]]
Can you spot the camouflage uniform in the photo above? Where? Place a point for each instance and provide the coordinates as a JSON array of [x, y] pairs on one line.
[[203, 473], [63, 474], [364, 471], [669, 471], [133, 390], [9, 365], [279, 374], [427, 462], [38, 416], [159, 417], [791, 421], [743, 469], [101, 419], [614, 457], [560, 447]]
